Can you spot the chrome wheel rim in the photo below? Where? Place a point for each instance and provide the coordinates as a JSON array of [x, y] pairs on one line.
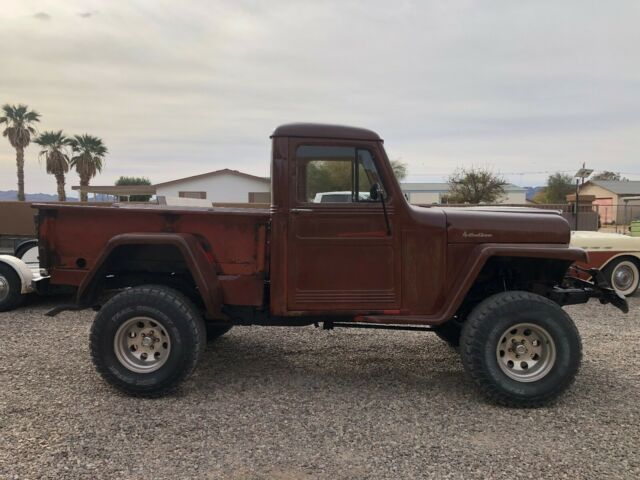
[[623, 277], [4, 288], [142, 344], [526, 352]]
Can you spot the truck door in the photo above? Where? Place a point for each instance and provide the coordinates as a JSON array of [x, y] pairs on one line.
[[341, 255]]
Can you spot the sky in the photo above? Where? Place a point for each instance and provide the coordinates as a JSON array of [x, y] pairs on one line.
[[180, 88]]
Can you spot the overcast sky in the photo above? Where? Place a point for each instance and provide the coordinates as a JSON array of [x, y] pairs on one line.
[[177, 88]]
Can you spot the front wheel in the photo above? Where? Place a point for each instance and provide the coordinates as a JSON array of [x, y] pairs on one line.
[[147, 340], [521, 349], [10, 288]]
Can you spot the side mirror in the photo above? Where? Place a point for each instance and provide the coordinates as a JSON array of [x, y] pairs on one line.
[[376, 192]]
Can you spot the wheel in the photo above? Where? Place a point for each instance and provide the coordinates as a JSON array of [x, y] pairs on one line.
[[449, 332], [147, 340], [24, 247], [521, 349], [215, 331], [623, 275], [10, 288]]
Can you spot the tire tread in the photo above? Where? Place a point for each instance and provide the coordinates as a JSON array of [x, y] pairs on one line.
[[471, 347]]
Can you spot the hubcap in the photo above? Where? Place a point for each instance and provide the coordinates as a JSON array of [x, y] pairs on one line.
[[623, 277], [4, 288], [526, 352], [142, 344]]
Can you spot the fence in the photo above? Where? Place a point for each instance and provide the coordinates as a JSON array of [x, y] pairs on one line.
[[618, 216]]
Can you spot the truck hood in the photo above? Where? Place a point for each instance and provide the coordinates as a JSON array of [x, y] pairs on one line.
[[506, 225]]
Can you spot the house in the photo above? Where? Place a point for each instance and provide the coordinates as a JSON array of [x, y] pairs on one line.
[[223, 186], [219, 186], [429, 193], [609, 198]]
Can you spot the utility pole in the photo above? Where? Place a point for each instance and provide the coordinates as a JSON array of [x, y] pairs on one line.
[[580, 175]]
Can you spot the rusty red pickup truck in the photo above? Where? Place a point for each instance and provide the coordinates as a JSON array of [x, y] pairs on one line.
[[166, 280]]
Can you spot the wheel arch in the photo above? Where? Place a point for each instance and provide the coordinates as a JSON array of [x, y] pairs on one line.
[[632, 255], [22, 270], [153, 254], [532, 269]]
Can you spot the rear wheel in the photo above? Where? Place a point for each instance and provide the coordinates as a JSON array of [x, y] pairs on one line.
[[623, 275], [521, 349], [147, 340], [25, 247], [10, 288]]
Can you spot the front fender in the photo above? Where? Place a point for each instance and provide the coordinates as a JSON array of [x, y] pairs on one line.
[[22, 270]]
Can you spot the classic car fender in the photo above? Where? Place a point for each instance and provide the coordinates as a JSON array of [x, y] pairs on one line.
[[22, 270], [200, 266]]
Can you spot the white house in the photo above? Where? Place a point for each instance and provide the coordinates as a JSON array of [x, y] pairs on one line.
[[429, 193], [223, 186]]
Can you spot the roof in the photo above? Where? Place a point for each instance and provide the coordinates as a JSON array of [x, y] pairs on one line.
[[625, 187], [319, 130], [224, 171], [443, 187], [118, 189]]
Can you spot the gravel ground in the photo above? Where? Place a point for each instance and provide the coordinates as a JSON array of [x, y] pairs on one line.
[[295, 403]]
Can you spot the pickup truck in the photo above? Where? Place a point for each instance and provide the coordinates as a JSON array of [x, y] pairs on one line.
[[164, 281]]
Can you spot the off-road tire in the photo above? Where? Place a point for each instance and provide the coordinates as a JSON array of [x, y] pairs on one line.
[[179, 317], [13, 297], [483, 330], [449, 332], [215, 331]]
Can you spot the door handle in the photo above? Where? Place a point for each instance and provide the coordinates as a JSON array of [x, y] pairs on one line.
[[301, 210]]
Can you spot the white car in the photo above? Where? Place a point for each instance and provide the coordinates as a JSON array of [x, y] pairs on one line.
[[616, 255], [338, 197]]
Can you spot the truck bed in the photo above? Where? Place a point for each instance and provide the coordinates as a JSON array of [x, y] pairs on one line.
[[73, 237]]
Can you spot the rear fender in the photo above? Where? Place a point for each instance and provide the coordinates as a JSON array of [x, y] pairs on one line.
[[201, 268]]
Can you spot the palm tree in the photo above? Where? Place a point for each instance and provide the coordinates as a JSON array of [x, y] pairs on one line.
[[19, 122], [54, 146], [89, 152]]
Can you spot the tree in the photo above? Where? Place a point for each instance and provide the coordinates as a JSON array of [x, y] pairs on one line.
[[89, 152], [135, 181], [559, 185], [19, 121], [607, 175], [399, 169], [475, 185], [54, 146]]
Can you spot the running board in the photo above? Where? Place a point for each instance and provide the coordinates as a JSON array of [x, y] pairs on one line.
[[412, 328]]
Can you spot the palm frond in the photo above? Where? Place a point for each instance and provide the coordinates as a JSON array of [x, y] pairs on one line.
[[89, 152], [19, 120]]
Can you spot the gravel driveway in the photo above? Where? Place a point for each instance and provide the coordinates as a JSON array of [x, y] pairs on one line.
[[296, 403]]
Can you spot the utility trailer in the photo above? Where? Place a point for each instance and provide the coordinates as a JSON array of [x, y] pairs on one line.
[[165, 280]]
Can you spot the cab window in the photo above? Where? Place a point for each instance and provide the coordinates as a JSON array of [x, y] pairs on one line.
[[335, 174]]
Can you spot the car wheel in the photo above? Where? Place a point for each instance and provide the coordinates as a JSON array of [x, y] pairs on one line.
[[623, 275], [147, 340], [25, 247], [10, 288], [521, 349]]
